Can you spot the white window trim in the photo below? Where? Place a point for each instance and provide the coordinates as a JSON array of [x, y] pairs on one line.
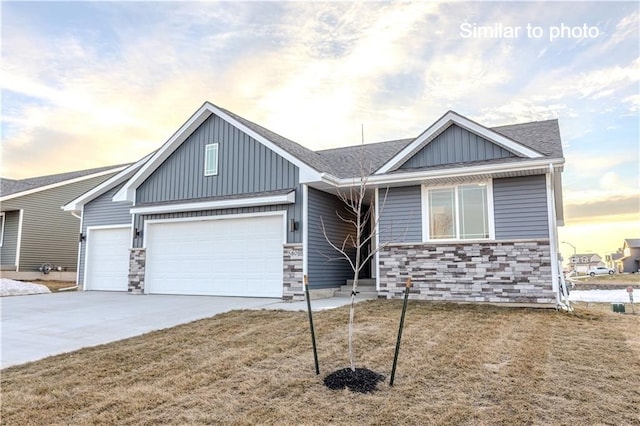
[[207, 148], [4, 219], [426, 235]]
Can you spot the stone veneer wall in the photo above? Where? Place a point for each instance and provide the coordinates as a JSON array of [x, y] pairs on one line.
[[292, 286], [517, 271], [137, 261]]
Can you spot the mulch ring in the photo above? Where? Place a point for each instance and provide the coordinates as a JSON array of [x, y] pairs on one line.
[[361, 380]]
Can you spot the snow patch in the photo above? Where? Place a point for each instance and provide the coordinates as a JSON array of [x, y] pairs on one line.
[[17, 288], [604, 296]]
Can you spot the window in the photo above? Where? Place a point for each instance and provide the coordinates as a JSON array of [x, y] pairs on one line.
[[211, 159], [1, 228], [460, 212]]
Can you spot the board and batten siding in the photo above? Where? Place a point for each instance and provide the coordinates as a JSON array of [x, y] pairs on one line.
[[101, 211], [325, 266], [520, 207], [400, 215], [455, 145], [245, 166], [9, 240], [49, 234]]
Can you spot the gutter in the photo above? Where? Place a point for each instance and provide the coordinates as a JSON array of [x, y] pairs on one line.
[[441, 173], [558, 283]]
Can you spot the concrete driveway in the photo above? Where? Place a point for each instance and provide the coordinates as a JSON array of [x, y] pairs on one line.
[[38, 326]]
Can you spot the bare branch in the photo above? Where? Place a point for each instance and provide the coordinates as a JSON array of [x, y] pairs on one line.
[[336, 248]]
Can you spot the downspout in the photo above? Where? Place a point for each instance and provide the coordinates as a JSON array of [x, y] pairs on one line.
[[553, 241]]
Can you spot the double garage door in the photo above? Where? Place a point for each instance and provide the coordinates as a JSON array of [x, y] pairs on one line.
[[221, 257], [224, 257]]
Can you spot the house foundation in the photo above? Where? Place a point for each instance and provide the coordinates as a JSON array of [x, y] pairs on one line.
[[513, 272]]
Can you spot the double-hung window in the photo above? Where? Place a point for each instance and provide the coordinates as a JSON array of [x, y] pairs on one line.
[[457, 213], [211, 159]]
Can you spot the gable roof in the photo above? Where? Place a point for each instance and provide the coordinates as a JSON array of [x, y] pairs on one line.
[[77, 204], [632, 242], [589, 255], [12, 188], [308, 162], [533, 144], [503, 139], [312, 158], [542, 136]]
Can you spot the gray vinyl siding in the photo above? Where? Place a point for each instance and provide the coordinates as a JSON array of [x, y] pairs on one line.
[[49, 234], [9, 241], [322, 272], [400, 215], [455, 145], [244, 166], [520, 207], [294, 211], [102, 211]]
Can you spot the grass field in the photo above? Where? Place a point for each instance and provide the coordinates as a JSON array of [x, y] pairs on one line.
[[459, 364]]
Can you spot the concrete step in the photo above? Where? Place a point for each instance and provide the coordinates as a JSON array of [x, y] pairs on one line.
[[364, 291], [363, 282]]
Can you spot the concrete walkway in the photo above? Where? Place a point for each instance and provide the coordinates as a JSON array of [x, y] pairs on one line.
[[38, 326]]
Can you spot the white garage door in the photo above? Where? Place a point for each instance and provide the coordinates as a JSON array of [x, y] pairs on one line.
[[223, 257], [107, 259]]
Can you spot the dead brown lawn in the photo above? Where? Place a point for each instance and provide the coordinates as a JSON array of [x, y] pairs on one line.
[[55, 286], [459, 364]]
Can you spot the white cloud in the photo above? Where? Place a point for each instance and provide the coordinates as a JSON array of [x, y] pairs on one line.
[[313, 72]]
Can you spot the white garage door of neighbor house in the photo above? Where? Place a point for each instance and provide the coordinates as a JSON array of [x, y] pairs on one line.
[[223, 257], [108, 259]]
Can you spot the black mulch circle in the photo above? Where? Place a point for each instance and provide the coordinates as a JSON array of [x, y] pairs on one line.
[[362, 380]]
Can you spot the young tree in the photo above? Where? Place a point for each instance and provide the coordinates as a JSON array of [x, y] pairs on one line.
[[360, 214]]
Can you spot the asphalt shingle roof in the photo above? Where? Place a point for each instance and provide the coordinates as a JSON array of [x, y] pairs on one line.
[[541, 136], [13, 186], [308, 156], [344, 162], [633, 242]]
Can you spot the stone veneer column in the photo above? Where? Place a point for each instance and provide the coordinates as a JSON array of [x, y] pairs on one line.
[[517, 271], [292, 284], [137, 261]]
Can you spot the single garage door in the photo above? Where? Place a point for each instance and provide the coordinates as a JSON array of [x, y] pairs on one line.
[[107, 259], [221, 257]]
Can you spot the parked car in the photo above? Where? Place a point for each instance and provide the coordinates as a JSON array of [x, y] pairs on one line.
[[600, 270]]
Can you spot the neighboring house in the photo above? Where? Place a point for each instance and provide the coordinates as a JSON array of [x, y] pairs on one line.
[[630, 259], [227, 207], [611, 260], [34, 230], [582, 262]]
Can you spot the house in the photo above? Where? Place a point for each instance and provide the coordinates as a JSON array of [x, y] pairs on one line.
[[227, 207], [582, 262], [36, 236], [612, 260], [630, 259]]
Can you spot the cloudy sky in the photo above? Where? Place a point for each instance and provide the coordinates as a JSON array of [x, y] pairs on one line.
[[99, 83]]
